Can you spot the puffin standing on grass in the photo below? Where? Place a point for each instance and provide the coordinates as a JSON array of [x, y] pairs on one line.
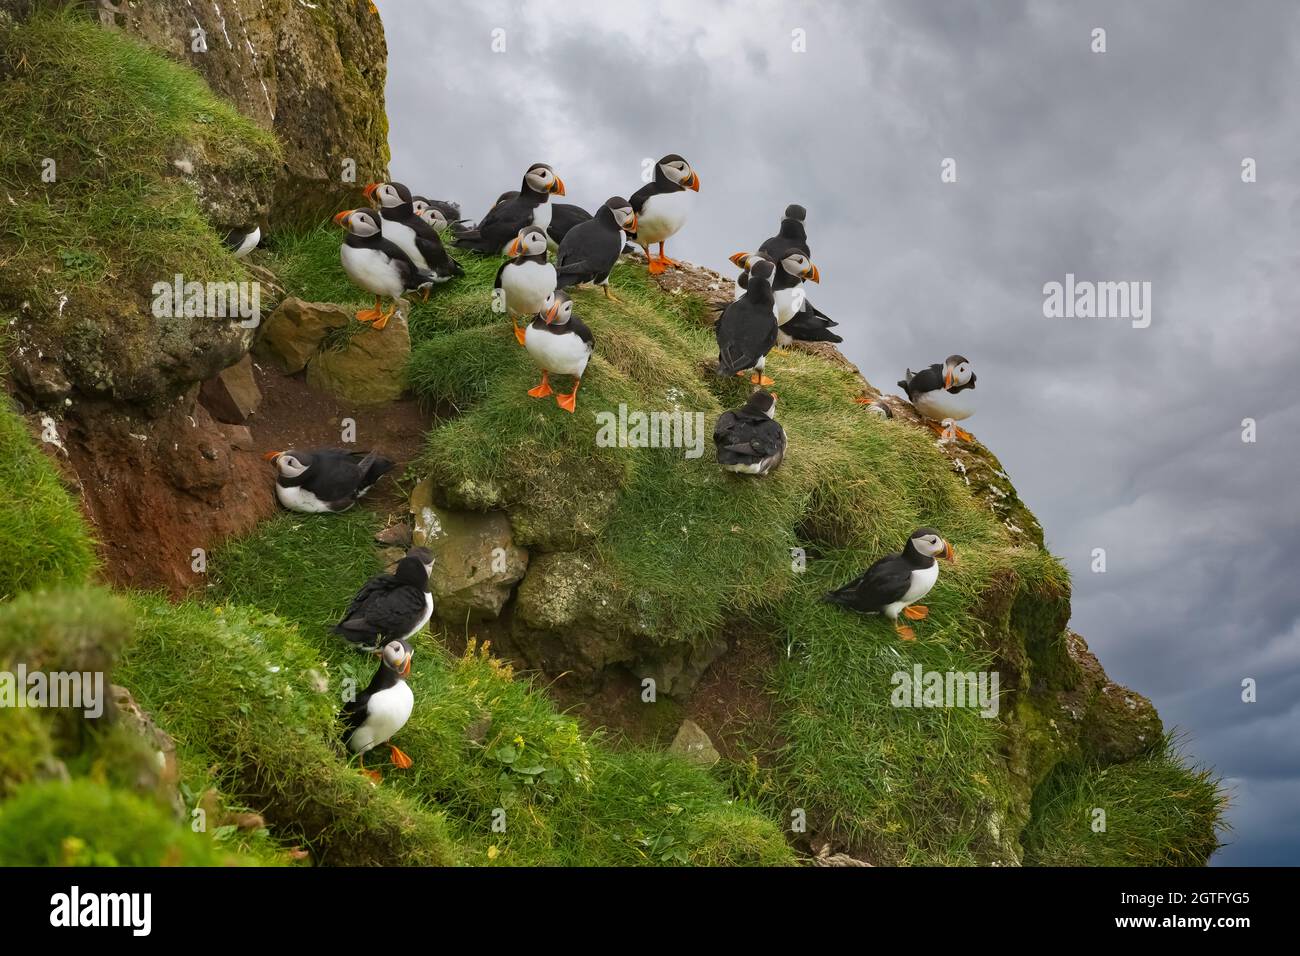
[[325, 479], [749, 440], [390, 606], [942, 393], [746, 330], [662, 206], [405, 229], [527, 277], [896, 582], [382, 709], [377, 265], [560, 342], [591, 248], [530, 207]]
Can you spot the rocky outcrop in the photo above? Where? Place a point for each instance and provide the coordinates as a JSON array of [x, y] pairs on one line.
[[367, 367], [294, 332]]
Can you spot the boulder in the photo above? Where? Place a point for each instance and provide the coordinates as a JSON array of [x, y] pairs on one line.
[[293, 333], [233, 396], [369, 369], [693, 744], [476, 562]]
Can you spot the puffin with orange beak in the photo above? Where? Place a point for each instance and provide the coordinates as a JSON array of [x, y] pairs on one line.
[[894, 584], [662, 206], [403, 226], [530, 207], [941, 394], [375, 715], [325, 479], [527, 277], [589, 250], [390, 607], [377, 265], [560, 342]]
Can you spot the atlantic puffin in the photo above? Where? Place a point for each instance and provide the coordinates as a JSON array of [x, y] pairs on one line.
[[560, 342], [531, 207], [390, 606], [242, 241], [876, 407], [325, 479], [749, 440], [791, 234], [662, 206], [377, 265], [590, 249], [439, 213], [896, 582], [746, 330], [527, 277], [793, 268], [382, 709], [417, 238], [942, 392]]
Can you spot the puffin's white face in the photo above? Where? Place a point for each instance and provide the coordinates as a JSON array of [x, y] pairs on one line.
[[625, 218], [359, 222], [398, 657], [541, 178], [531, 241], [956, 372], [433, 217], [558, 310], [290, 465], [388, 196], [679, 172], [800, 266], [932, 546]]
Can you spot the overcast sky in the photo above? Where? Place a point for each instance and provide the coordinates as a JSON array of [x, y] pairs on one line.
[[1115, 166]]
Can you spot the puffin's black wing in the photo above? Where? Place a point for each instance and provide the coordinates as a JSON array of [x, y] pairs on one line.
[[808, 325], [372, 467], [435, 253], [927, 380], [745, 440], [883, 583], [501, 224], [389, 609], [564, 216], [333, 476], [746, 331], [581, 330], [587, 253], [496, 283], [355, 712]]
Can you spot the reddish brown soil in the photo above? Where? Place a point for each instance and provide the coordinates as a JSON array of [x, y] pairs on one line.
[[155, 489]]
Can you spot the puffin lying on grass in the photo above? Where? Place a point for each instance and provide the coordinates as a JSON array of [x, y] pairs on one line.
[[896, 582], [325, 479], [749, 440], [382, 709], [390, 606]]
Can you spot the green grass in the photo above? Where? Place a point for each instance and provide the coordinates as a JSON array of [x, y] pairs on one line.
[[45, 542], [1159, 810]]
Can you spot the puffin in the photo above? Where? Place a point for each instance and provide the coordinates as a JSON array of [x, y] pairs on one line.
[[382, 709], [662, 206], [242, 241], [791, 234], [503, 221], [377, 265], [564, 216], [590, 249], [439, 213], [390, 606], [749, 440], [796, 317], [942, 392], [560, 342], [876, 407], [417, 238], [809, 324], [325, 479], [896, 582], [746, 330], [527, 277]]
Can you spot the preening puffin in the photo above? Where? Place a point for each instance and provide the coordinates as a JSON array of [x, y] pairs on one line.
[[382, 709], [746, 330], [942, 392], [749, 440], [377, 265], [504, 220], [791, 234], [560, 342], [390, 606], [410, 233], [662, 206], [325, 479], [591, 248], [526, 278], [896, 582]]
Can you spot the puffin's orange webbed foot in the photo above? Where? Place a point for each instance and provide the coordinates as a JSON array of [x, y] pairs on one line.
[[905, 632], [384, 317], [759, 379], [916, 612], [657, 267], [541, 391], [519, 332], [400, 760]]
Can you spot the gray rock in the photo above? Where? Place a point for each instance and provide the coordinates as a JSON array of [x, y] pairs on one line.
[[293, 333], [233, 396], [694, 744]]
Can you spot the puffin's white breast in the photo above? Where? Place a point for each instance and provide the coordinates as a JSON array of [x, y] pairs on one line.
[[297, 498], [922, 580], [941, 403], [386, 713], [527, 284], [663, 214], [564, 354], [372, 270], [250, 243], [403, 236]]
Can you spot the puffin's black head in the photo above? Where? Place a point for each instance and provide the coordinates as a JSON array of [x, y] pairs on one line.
[[929, 543], [675, 170], [957, 372], [388, 195], [558, 308], [396, 656], [540, 178], [797, 213], [290, 464], [362, 223], [799, 265], [531, 241], [506, 196], [762, 402], [624, 214], [415, 568], [761, 268]]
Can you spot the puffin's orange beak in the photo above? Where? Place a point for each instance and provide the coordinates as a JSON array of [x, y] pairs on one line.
[[947, 378], [340, 217], [814, 273], [948, 552], [513, 249], [740, 259], [695, 181], [550, 313], [632, 227], [369, 191], [406, 668], [272, 455], [558, 188]]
